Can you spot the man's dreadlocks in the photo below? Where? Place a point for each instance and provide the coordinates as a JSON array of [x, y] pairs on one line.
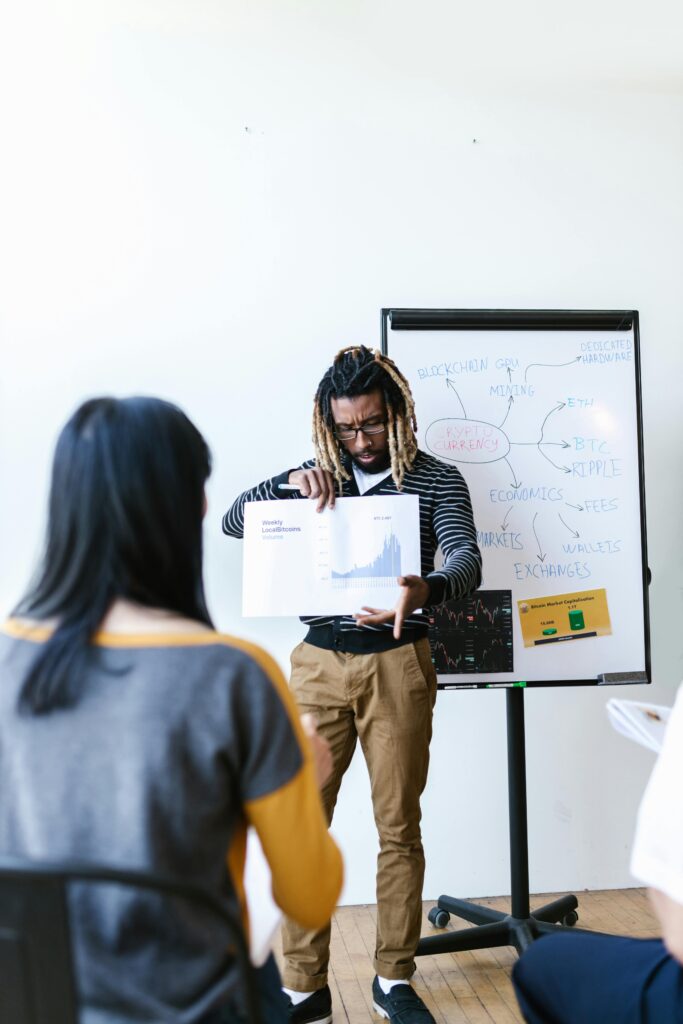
[[356, 371]]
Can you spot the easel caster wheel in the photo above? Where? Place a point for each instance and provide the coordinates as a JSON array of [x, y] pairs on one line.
[[570, 919], [439, 918]]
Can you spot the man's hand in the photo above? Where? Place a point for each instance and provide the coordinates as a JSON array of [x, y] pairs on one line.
[[414, 594], [322, 753], [314, 483]]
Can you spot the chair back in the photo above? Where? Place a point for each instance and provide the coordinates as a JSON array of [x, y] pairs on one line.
[[36, 972], [37, 983]]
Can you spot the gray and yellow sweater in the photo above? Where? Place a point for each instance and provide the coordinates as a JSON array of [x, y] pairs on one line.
[[177, 744]]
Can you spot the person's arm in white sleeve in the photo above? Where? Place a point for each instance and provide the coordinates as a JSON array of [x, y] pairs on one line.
[[658, 848]]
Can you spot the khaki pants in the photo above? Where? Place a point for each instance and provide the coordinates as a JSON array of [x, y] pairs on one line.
[[386, 701]]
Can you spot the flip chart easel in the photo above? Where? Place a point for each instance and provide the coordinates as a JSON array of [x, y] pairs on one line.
[[541, 411]]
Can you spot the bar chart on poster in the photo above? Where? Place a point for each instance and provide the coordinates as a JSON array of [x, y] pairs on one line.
[[298, 561], [540, 412]]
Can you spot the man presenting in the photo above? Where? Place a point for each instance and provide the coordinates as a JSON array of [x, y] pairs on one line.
[[370, 676]]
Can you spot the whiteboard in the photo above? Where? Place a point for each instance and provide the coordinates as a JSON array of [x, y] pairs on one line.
[[541, 414]]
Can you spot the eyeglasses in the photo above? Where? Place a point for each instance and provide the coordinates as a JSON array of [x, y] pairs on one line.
[[351, 433]]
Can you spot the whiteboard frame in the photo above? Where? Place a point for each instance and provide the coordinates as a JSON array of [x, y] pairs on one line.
[[407, 319]]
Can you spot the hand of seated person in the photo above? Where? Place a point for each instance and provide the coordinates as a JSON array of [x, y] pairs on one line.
[[670, 915]]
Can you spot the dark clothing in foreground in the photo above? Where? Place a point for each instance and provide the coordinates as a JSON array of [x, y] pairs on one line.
[[273, 1003], [576, 978]]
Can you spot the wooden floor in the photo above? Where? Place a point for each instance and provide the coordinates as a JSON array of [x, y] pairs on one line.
[[463, 988]]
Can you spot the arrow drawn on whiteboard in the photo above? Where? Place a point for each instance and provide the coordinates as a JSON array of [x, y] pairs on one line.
[[565, 469], [526, 444], [560, 405], [533, 527], [579, 508], [570, 363], [509, 376], [451, 385], [510, 401], [574, 533], [504, 524], [516, 483]]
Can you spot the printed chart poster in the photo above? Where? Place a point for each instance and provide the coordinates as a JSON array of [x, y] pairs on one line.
[[549, 620], [474, 634], [298, 561]]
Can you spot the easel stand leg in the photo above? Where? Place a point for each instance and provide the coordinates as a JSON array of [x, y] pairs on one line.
[[520, 927]]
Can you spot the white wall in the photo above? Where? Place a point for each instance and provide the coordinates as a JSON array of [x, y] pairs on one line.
[[205, 201]]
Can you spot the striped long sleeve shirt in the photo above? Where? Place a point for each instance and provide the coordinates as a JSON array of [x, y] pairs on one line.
[[446, 522]]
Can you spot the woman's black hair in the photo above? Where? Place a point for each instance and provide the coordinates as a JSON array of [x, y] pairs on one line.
[[125, 520]]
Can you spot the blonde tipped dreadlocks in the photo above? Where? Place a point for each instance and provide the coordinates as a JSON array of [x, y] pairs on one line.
[[356, 371]]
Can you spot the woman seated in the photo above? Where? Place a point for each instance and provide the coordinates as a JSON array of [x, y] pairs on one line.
[[133, 734], [612, 979]]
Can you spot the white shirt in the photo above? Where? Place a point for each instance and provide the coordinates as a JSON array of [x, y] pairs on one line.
[[657, 858], [367, 480]]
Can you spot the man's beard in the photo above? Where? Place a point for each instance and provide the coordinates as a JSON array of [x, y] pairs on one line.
[[383, 463]]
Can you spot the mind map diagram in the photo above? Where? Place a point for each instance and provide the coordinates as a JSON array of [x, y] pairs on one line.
[[578, 467]]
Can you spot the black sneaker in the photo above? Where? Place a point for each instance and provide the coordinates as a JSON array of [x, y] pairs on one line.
[[402, 1006], [317, 1009]]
